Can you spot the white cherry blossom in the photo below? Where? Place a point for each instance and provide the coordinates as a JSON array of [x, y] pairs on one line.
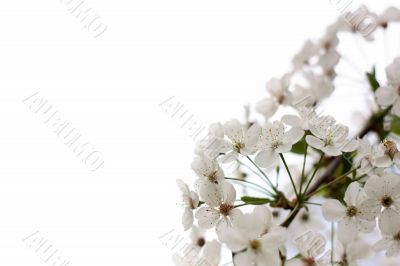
[[275, 140], [220, 211], [303, 57], [207, 169], [391, 14], [384, 199], [190, 201], [240, 139], [389, 95], [390, 241], [312, 250], [370, 156], [279, 94], [255, 239], [210, 255], [353, 217], [351, 252], [330, 137]]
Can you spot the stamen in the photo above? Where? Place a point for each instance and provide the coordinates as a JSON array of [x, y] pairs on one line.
[[351, 211], [224, 209]]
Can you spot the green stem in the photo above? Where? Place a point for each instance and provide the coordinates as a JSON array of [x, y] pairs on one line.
[[337, 179], [291, 216], [264, 175], [313, 175], [290, 175], [240, 205], [251, 183], [304, 166], [332, 241]]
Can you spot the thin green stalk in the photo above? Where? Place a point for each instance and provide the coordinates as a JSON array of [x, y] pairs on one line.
[[290, 175], [289, 219], [249, 168], [332, 241], [251, 183], [304, 166], [337, 179], [240, 205], [312, 203], [264, 175], [313, 175]]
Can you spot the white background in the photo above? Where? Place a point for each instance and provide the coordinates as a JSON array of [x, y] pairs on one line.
[[215, 56]]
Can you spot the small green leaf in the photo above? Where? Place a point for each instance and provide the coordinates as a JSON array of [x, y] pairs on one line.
[[372, 79], [395, 127], [299, 147], [255, 201]]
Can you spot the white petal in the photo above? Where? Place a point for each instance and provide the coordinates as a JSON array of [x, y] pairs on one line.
[[235, 215], [333, 210], [350, 145], [358, 250], [262, 218], [351, 195], [396, 159], [265, 159], [369, 209], [283, 148], [182, 186], [292, 120], [233, 129], [211, 194], [374, 187], [389, 221], [383, 244], [244, 259], [396, 107], [187, 218], [386, 95], [314, 142], [275, 237], [294, 134], [267, 107], [331, 150], [383, 161], [228, 192], [234, 239], [212, 252], [223, 224], [207, 217], [347, 229], [268, 258], [365, 226], [393, 250]]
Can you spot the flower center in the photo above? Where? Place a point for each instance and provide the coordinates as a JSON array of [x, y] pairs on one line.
[[201, 241], [237, 146], [281, 99], [275, 144], [387, 201], [224, 209], [351, 211], [305, 217], [191, 204], [344, 261], [397, 237], [255, 245], [390, 147], [213, 177], [309, 261]]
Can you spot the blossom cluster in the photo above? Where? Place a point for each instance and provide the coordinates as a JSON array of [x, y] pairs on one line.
[[303, 177]]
